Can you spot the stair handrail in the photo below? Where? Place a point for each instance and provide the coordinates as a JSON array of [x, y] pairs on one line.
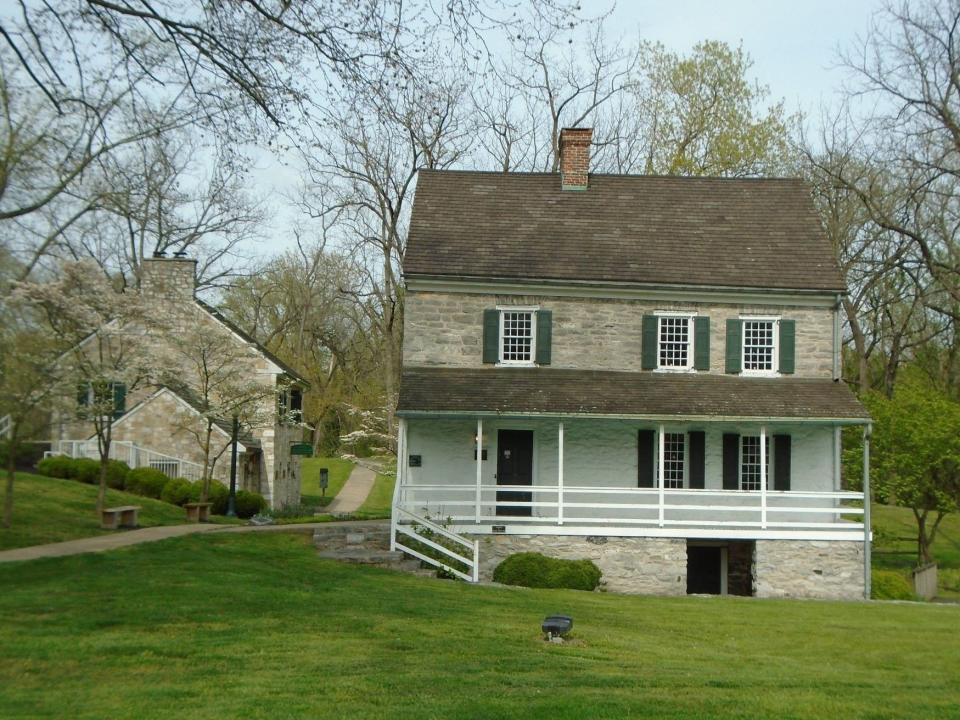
[[411, 530]]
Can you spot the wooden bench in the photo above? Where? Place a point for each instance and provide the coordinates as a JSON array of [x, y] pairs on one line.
[[198, 512], [119, 517]]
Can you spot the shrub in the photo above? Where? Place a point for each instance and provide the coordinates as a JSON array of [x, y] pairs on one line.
[[56, 466], [539, 571], [890, 585], [146, 481], [117, 472], [176, 491], [249, 503], [217, 496], [86, 470]]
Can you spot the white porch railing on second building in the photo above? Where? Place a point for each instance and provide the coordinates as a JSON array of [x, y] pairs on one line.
[[465, 505], [133, 455]]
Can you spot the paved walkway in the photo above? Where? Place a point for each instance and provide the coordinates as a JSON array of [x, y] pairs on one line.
[[121, 539], [354, 491]]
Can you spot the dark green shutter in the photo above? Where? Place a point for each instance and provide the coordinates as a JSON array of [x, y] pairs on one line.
[[781, 462], [119, 399], [83, 393], [731, 461], [701, 343], [734, 343], [544, 336], [491, 336], [787, 346], [697, 459], [645, 458], [648, 357]]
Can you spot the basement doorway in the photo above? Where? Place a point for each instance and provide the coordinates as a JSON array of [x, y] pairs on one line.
[[719, 568]]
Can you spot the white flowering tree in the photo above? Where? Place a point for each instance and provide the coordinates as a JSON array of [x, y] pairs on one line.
[[107, 356], [215, 371]]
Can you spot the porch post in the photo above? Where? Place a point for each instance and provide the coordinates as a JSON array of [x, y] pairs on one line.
[[401, 477], [837, 449], [763, 477], [660, 472], [866, 512], [479, 498], [560, 474]]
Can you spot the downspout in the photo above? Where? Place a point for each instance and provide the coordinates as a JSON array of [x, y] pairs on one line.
[[836, 338]]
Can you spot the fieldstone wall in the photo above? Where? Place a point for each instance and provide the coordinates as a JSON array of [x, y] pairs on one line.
[[640, 566], [809, 569], [446, 329]]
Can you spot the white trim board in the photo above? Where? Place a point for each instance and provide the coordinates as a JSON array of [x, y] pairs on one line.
[[854, 535], [691, 294]]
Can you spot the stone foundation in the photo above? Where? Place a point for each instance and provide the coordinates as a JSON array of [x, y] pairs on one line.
[[809, 569], [643, 566]]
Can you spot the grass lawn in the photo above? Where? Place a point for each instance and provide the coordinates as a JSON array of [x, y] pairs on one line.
[[257, 626], [378, 502], [895, 546], [47, 510], [310, 479]]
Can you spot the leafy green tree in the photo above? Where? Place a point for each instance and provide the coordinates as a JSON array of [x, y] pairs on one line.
[[916, 453]]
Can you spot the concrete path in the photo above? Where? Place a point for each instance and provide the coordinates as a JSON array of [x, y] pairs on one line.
[[122, 538], [354, 491]]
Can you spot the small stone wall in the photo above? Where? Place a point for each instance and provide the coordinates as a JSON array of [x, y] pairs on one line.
[[644, 566], [809, 569]]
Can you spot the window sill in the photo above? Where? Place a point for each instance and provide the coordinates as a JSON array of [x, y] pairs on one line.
[[516, 365], [689, 371], [759, 374]]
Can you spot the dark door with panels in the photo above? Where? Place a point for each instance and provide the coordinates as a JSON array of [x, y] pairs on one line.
[[514, 467]]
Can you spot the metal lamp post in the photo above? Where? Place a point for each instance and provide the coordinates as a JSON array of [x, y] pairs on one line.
[[232, 498]]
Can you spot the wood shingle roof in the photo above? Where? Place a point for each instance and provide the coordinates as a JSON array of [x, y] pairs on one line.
[[648, 230]]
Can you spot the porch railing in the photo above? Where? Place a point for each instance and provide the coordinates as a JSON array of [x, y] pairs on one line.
[[651, 507], [437, 545], [133, 455]]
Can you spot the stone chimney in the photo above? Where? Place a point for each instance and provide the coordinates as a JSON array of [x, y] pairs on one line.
[[168, 282], [575, 157]]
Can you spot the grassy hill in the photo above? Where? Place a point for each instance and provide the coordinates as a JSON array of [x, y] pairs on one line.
[[47, 510], [257, 626]]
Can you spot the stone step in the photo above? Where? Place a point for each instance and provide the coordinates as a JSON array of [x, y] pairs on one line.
[[362, 556], [331, 530]]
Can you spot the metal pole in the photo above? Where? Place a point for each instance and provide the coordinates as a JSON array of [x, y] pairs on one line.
[[232, 498], [866, 513]]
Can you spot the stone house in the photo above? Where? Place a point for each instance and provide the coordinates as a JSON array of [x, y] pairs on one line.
[[156, 426], [644, 371]]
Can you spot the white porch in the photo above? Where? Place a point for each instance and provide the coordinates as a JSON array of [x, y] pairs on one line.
[[584, 477]]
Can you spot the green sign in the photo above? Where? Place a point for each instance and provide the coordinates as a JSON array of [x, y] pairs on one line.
[[302, 449]]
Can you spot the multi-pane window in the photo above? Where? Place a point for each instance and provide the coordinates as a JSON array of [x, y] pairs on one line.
[[516, 336], [750, 462], [674, 456], [674, 343], [759, 346]]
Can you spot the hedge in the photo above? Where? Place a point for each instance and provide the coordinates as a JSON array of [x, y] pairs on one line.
[[146, 481], [249, 503], [890, 585], [539, 571], [176, 491], [217, 495], [86, 470], [56, 466]]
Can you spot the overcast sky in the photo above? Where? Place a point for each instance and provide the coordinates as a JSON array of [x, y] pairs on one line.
[[793, 44]]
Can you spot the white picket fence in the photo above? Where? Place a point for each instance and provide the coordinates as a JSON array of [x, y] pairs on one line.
[[133, 455]]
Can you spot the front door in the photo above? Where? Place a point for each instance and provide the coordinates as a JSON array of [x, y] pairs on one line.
[[514, 467]]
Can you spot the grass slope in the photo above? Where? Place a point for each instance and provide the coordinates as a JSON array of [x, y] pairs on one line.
[[310, 479], [378, 502], [47, 510], [259, 627]]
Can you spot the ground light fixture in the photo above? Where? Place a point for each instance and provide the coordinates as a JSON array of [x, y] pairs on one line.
[[556, 627]]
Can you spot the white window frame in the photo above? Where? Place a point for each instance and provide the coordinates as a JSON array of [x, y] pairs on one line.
[[501, 309], [769, 457], [686, 460], [689, 316], [774, 320]]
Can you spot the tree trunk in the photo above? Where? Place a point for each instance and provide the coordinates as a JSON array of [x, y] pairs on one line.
[[923, 542], [860, 346], [104, 444], [207, 469], [11, 468]]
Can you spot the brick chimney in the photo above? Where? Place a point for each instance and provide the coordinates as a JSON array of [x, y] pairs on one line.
[[575, 157], [168, 282]]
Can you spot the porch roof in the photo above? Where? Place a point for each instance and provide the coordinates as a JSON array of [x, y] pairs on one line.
[[549, 391]]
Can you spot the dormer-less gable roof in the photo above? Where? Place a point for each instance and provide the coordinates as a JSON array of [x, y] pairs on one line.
[[623, 229]]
